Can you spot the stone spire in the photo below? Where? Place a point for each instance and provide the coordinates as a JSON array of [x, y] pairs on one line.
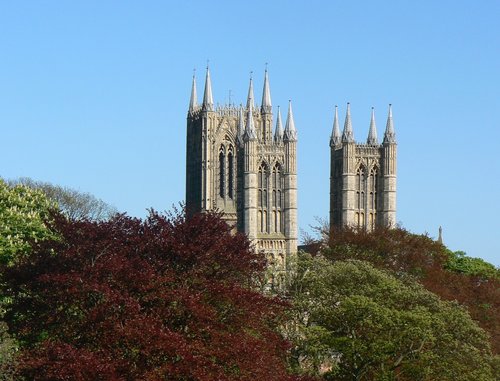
[[266, 106], [390, 135], [250, 99], [347, 134], [440, 238], [335, 138], [372, 134], [193, 102], [208, 100], [290, 131], [241, 126], [250, 127], [278, 132]]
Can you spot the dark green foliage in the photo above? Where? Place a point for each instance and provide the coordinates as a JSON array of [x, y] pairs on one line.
[[459, 262], [354, 322], [404, 253]]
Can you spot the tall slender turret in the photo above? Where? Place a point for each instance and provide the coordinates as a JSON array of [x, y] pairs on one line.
[[278, 132], [241, 126], [250, 133], [290, 177], [348, 134], [290, 131], [250, 97], [335, 137], [208, 100], [266, 95], [193, 101], [372, 134], [266, 110], [389, 135], [389, 173]]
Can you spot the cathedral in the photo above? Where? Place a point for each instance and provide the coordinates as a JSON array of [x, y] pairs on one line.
[[362, 176], [236, 163]]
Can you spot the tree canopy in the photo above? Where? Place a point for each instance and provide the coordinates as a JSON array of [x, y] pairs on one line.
[[72, 203], [24, 214], [354, 322], [125, 299], [402, 252]]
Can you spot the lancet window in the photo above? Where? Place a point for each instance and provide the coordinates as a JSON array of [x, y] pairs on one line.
[[360, 202], [360, 188], [222, 171], [263, 177], [226, 171], [373, 186], [230, 172], [277, 198]]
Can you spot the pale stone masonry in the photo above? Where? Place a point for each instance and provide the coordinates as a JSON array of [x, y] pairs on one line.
[[362, 176], [238, 165]]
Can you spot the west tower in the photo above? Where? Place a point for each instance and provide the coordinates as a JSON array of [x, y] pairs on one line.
[[237, 164], [362, 176]]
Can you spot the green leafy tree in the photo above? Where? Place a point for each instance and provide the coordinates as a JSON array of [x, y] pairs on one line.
[[402, 253], [459, 262], [73, 204], [24, 214], [354, 322], [8, 349]]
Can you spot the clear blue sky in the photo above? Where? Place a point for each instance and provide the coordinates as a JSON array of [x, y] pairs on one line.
[[94, 94]]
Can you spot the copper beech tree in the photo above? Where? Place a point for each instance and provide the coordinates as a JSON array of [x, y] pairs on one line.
[[125, 299]]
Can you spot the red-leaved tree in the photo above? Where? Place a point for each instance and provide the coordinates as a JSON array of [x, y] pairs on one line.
[[168, 298]]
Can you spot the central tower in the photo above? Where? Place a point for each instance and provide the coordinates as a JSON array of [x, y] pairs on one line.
[[237, 164]]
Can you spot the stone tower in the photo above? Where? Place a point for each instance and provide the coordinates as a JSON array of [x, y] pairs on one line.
[[362, 176], [237, 164]]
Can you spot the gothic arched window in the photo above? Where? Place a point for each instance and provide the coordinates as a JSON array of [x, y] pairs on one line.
[[230, 172], [360, 188], [373, 185], [262, 182], [277, 185], [222, 171]]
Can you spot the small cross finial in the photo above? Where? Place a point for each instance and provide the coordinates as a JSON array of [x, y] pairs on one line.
[[229, 96], [194, 72], [251, 74], [208, 61], [266, 66]]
